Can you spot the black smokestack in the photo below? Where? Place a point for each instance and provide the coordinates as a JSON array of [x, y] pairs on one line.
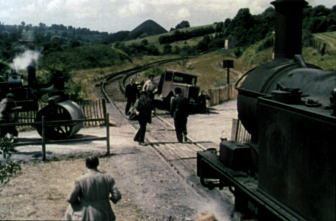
[[288, 28], [32, 75]]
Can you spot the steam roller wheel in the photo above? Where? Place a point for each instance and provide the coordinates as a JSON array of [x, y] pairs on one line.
[[62, 111]]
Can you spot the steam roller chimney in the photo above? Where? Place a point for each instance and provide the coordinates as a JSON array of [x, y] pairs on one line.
[[31, 75], [288, 28]]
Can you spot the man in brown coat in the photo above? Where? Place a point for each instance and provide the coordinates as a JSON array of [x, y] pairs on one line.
[[89, 200]]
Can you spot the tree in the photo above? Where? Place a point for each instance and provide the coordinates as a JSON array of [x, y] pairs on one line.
[[321, 10], [183, 24], [203, 45], [42, 26], [219, 27], [4, 66], [167, 49]]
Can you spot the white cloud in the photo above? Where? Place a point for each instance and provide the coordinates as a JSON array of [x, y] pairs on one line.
[[116, 15], [54, 6], [182, 14], [132, 8]]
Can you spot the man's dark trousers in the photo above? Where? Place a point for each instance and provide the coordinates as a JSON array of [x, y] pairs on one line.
[[180, 123], [140, 135]]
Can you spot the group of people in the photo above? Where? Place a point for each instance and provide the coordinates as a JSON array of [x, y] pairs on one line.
[[143, 108], [132, 92], [89, 199], [142, 105]]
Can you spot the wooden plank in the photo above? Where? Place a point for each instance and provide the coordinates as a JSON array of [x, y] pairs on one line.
[[166, 153], [184, 150]]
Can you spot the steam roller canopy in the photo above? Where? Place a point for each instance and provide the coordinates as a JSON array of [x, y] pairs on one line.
[[65, 110]]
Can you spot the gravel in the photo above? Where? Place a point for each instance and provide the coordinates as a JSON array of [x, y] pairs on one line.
[[151, 188]]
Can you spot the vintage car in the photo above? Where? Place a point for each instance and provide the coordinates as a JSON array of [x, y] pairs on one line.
[[172, 79]]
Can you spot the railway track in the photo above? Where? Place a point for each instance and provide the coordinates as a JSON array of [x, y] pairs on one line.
[[161, 137]]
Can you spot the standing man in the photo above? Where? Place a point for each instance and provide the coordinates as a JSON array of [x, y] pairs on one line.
[[179, 109], [7, 107], [202, 99], [89, 200], [150, 87], [131, 92], [143, 109]]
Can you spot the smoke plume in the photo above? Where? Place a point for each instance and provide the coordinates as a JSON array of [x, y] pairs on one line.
[[22, 61]]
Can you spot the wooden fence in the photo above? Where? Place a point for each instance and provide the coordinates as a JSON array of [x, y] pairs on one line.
[[239, 133], [91, 110], [44, 141], [221, 94], [228, 92], [321, 47], [97, 109]]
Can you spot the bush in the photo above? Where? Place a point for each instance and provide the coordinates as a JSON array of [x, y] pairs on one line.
[[86, 56], [156, 71], [8, 168]]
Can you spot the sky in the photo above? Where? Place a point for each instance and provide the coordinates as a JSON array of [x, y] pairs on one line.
[[124, 15]]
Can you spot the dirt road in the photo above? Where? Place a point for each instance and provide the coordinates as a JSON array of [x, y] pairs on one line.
[[150, 187]]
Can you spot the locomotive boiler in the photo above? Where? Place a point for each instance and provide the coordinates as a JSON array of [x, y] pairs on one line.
[[59, 107], [287, 171]]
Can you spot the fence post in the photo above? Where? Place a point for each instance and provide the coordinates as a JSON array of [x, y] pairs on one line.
[[104, 107], [43, 139], [107, 133]]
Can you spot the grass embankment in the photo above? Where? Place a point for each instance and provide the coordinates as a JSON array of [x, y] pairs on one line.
[[209, 66]]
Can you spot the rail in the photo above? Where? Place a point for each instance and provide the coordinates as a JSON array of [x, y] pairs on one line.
[[217, 96]]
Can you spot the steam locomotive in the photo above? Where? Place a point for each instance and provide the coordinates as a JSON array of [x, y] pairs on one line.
[[287, 171], [59, 106]]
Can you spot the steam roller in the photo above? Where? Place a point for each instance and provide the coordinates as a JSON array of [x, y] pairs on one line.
[[63, 111]]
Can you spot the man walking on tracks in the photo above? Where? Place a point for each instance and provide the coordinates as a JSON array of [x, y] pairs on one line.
[[179, 109], [131, 92], [143, 110]]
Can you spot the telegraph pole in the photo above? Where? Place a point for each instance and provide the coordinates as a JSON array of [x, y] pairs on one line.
[[228, 64]]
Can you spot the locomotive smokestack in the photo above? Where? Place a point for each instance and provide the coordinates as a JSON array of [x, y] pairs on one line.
[[31, 75], [288, 28]]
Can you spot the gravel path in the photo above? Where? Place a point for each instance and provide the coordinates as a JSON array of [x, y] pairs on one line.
[[151, 188], [156, 187]]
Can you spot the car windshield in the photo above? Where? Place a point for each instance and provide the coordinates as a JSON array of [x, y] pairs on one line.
[[182, 78]]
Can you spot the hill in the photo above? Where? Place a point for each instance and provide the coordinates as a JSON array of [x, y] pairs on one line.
[[147, 28]]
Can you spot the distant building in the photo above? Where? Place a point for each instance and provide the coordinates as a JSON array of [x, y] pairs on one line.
[[230, 42]]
